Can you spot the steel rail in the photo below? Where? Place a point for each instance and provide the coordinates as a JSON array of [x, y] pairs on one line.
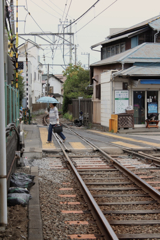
[[66, 149], [155, 160], [146, 156], [155, 194], [102, 222], [85, 140]]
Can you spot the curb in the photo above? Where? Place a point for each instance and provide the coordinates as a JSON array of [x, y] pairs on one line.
[[35, 222]]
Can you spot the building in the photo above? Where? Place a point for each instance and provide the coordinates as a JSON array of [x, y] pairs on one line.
[[54, 87], [32, 72], [128, 73]]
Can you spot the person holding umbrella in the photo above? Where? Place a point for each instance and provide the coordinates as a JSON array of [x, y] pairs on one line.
[[54, 120], [53, 117]]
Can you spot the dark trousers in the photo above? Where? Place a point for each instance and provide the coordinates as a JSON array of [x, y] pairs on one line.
[[50, 133]]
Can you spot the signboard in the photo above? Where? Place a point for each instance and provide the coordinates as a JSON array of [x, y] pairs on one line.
[[121, 101], [152, 108]]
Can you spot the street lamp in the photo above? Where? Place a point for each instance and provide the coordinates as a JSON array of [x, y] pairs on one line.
[[79, 102]]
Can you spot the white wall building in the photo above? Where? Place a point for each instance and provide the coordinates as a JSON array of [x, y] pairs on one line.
[[55, 87], [33, 81]]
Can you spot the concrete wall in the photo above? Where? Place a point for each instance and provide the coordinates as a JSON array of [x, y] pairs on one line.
[[106, 98], [34, 76]]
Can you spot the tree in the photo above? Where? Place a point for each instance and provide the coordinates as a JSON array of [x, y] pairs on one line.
[[76, 84], [20, 88]]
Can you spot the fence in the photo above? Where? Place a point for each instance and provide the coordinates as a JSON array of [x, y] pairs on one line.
[[11, 105], [42, 106], [84, 105]]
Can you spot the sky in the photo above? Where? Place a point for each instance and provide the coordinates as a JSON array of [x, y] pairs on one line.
[[46, 15]]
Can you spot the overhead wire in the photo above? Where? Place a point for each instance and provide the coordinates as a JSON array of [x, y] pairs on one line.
[[51, 7], [97, 15], [68, 8], [44, 9], [56, 6], [83, 13], [26, 5], [61, 30]]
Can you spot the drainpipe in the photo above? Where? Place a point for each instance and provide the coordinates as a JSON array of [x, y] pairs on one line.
[[155, 36], [3, 177], [122, 66]]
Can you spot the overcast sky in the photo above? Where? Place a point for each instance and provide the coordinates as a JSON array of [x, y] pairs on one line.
[[47, 13]]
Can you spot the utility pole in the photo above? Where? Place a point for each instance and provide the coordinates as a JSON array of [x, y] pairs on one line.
[[12, 17], [70, 60], [88, 58], [16, 43], [47, 80], [75, 55], [27, 78], [3, 170]]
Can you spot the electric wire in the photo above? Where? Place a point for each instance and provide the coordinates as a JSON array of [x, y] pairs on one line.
[[44, 9], [83, 13], [97, 15], [51, 7], [58, 7], [60, 30], [26, 5], [68, 8]]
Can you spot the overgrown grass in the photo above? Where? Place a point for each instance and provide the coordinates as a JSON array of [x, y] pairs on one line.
[[68, 116]]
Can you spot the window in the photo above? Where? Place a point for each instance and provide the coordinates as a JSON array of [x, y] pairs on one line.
[[98, 91], [125, 86], [108, 52], [34, 76], [117, 49], [112, 50], [103, 53], [122, 47]]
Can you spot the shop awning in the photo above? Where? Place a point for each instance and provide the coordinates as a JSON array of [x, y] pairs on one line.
[[141, 70]]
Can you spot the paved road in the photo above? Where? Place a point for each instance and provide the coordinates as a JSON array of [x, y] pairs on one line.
[[105, 140]]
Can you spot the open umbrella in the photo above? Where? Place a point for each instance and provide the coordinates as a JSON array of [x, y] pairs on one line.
[[47, 100]]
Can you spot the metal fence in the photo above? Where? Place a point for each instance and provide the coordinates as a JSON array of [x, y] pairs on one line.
[[11, 104], [84, 105]]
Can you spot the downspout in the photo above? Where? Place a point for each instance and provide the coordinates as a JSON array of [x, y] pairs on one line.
[[3, 172], [155, 36], [122, 65]]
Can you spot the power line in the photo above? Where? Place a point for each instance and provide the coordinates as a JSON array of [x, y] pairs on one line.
[[50, 7], [44, 10], [64, 9], [56, 6], [83, 13], [62, 27], [42, 29], [97, 15], [26, 5], [68, 8]]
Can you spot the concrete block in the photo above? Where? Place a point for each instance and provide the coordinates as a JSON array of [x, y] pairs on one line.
[[112, 150], [35, 223], [34, 169], [35, 234]]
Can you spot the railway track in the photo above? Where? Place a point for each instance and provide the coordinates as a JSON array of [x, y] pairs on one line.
[[123, 204], [120, 191]]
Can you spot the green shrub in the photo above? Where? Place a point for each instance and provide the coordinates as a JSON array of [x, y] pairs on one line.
[[68, 116]]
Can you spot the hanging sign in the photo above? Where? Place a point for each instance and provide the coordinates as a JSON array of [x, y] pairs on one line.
[[121, 101]]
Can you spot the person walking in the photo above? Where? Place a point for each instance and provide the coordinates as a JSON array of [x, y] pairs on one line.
[[54, 120]]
